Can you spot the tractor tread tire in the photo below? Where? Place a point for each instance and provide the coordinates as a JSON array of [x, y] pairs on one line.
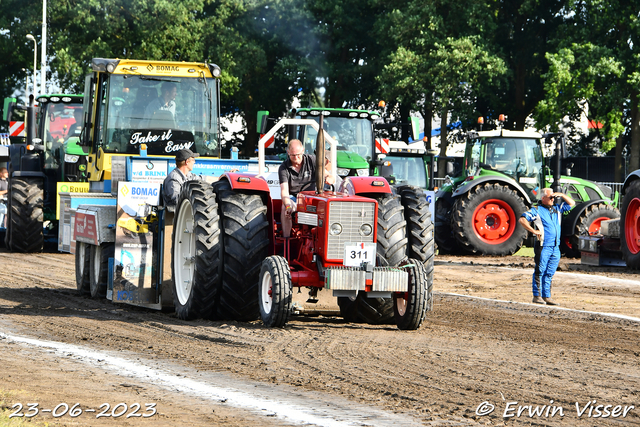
[[419, 224], [281, 291], [99, 273], [462, 220], [206, 278], [83, 266], [245, 244], [25, 222], [592, 213], [391, 251], [445, 241], [420, 297]]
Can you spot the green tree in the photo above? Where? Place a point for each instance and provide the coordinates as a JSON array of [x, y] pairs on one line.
[[167, 30], [17, 19]]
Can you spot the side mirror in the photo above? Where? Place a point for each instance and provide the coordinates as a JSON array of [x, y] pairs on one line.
[[450, 169], [415, 128], [261, 123], [9, 103]]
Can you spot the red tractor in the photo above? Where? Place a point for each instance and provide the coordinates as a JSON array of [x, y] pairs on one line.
[[230, 260]]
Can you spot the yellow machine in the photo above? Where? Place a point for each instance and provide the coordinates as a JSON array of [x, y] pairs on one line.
[[165, 105]]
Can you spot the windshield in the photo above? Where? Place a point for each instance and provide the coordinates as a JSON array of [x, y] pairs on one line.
[[58, 123], [516, 157], [166, 114], [409, 170], [353, 134]]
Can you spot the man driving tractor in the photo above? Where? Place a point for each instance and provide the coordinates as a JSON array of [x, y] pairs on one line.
[[296, 174]]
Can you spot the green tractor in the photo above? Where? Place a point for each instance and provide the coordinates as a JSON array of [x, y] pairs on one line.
[[504, 171], [49, 155], [363, 152]]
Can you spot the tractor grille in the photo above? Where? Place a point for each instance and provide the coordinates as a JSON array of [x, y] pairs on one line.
[[351, 216]]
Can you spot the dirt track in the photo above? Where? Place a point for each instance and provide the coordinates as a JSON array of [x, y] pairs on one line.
[[469, 351]]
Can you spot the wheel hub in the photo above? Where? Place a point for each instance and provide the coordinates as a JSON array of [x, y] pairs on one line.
[[494, 221], [267, 292]]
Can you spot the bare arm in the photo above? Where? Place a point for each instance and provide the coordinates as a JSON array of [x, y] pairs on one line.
[[284, 194], [568, 200]]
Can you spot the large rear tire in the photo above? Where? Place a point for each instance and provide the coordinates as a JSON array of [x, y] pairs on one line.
[[485, 220], [445, 241], [83, 268], [419, 224], [24, 225], [392, 237], [275, 293], [195, 254], [410, 308], [245, 244], [589, 224], [391, 251], [630, 226], [99, 269]]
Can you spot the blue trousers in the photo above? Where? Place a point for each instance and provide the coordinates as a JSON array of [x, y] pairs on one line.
[[547, 259]]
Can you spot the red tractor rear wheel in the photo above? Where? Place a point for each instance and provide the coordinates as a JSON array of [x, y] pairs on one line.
[[630, 235]]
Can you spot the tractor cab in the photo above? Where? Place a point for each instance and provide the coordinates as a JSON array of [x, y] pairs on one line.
[[164, 107], [519, 158]]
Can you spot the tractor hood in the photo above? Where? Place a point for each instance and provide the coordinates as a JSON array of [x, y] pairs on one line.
[[351, 160], [71, 147]]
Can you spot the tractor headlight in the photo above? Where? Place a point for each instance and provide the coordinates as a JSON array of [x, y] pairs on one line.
[[366, 230], [343, 171], [69, 158], [362, 172], [335, 229]]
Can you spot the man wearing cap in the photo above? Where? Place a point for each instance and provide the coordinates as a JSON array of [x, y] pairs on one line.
[[296, 174], [185, 161]]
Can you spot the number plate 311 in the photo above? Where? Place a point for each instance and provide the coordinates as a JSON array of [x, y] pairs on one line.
[[357, 253]]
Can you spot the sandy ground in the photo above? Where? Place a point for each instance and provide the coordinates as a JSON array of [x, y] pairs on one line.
[[470, 354]]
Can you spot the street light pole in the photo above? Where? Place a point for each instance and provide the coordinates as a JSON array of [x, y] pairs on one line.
[[26, 85], [35, 63], [43, 59]]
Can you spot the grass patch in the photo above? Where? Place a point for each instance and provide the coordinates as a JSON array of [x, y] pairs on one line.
[[7, 400], [524, 251]]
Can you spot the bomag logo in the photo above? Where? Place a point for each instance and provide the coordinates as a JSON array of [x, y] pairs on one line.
[[167, 68], [143, 191]]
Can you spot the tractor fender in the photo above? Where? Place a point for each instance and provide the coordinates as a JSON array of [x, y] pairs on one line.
[[479, 180], [28, 174], [353, 185], [571, 219], [246, 182], [633, 176]]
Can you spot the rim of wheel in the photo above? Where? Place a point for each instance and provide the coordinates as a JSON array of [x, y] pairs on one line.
[[184, 256], [401, 302], [96, 262], [594, 227], [632, 226], [494, 221], [266, 291]]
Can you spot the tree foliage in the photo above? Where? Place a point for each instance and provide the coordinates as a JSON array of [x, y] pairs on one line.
[[557, 59]]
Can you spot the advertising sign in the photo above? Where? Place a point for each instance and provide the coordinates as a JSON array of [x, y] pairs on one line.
[[134, 278]]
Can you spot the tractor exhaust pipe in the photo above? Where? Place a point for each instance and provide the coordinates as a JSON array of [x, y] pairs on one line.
[[320, 158]]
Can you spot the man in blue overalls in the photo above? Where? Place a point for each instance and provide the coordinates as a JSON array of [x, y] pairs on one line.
[[547, 217]]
